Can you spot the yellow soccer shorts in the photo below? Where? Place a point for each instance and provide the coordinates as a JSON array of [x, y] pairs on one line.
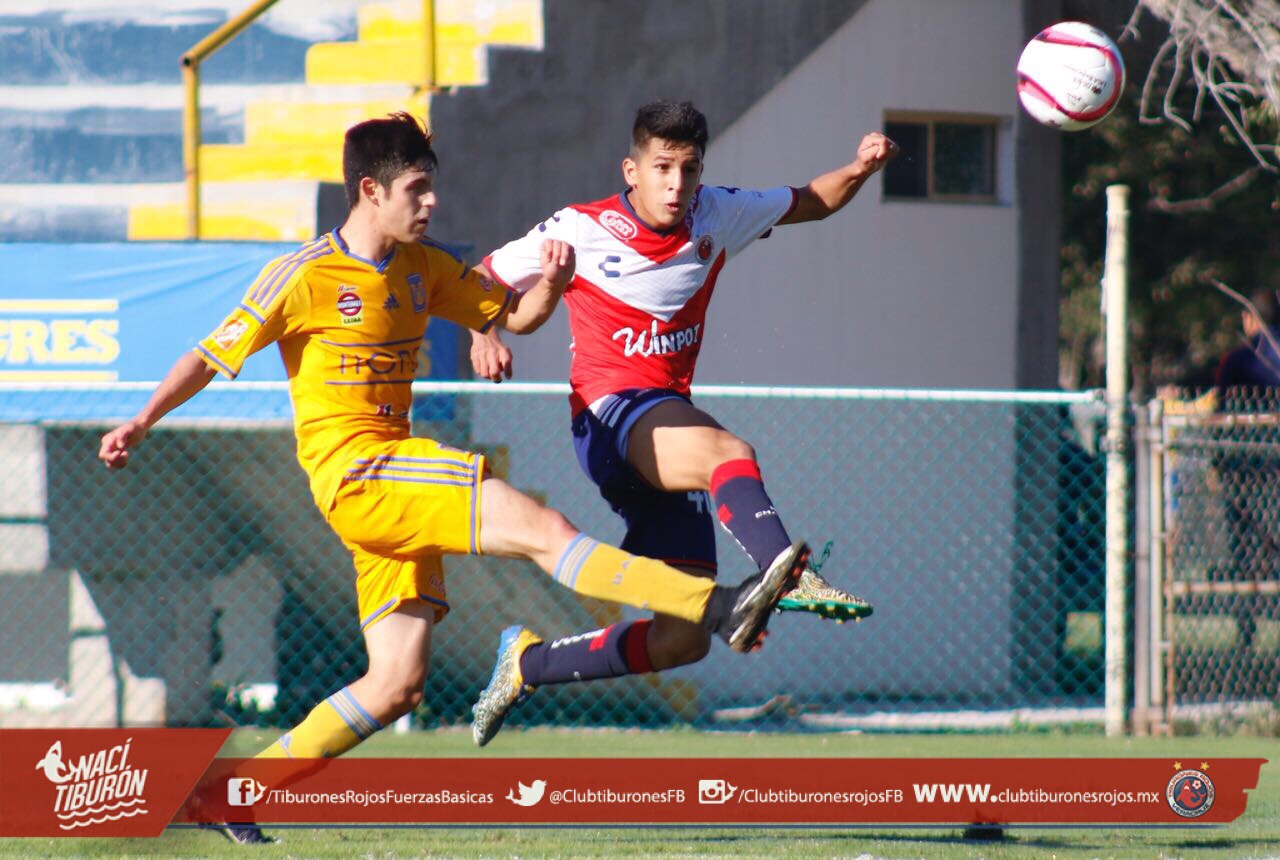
[[403, 505]]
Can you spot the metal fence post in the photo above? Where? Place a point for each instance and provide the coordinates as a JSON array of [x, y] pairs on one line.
[[1156, 554], [1115, 309], [1143, 608]]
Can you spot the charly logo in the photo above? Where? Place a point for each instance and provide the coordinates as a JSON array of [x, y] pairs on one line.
[[1190, 793], [96, 788], [618, 224]]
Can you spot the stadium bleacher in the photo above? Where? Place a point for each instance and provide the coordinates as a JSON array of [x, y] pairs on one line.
[[92, 112]]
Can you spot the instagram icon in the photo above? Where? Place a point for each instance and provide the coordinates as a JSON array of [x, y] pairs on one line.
[[715, 791]]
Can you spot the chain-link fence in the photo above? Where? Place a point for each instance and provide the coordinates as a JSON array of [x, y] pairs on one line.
[[1219, 466], [201, 583]]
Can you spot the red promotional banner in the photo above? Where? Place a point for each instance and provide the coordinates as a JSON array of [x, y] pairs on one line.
[[99, 782], [726, 791]]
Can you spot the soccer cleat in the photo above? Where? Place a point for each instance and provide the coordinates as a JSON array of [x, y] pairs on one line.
[[506, 685], [757, 596], [242, 834], [814, 594]]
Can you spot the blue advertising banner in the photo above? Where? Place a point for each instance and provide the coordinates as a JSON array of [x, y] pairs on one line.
[[123, 312]]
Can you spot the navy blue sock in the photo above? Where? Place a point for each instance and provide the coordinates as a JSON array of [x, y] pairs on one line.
[[619, 649], [744, 509]]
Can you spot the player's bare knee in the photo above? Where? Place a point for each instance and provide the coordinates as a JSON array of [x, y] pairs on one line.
[[678, 644], [693, 647], [554, 531], [402, 699], [730, 447]]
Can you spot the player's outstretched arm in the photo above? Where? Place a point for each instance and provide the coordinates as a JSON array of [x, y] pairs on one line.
[[534, 307], [829, 192], [188, 376], [490, 357]]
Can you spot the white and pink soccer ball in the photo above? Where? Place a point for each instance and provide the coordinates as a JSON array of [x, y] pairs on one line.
[[1070, 76]]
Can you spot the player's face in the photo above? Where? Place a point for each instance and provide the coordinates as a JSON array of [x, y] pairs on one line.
[[405, 208], [663, 178]]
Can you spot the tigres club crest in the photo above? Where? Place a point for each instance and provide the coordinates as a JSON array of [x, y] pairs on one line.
[[417, 293], [1190, 793]]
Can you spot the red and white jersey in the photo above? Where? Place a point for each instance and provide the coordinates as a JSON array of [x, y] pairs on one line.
[[638, 300]]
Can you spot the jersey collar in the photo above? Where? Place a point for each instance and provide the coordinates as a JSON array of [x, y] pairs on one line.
[[624, 202], [377, 267]]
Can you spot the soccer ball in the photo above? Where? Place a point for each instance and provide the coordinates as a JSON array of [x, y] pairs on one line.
[[1070, 76]]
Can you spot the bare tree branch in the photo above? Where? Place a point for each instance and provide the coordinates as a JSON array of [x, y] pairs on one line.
[[1229, 50], [1210, 201]]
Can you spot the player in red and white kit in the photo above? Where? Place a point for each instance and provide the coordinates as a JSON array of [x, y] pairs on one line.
[[648, 262]]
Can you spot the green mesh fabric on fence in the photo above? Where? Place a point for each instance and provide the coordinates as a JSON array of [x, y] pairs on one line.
[[201, 585], [1222, 553]]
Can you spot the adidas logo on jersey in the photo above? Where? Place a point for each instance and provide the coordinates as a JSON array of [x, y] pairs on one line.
[[391, 304]]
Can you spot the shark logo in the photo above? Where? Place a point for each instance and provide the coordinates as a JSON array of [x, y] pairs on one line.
[[529, 794], [52, 764], [95, 788]]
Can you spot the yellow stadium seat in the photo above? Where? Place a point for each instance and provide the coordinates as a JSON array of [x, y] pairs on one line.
[[236, 163], [302, 140], [247, 220], [319, 123], [390, 22], [397, 62], [401, 61]]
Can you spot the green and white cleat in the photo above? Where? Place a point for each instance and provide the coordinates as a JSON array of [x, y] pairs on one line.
[[506, 685], [814, 594]]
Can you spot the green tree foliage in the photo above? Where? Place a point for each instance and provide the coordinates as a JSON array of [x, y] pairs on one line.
[[1201, 208]]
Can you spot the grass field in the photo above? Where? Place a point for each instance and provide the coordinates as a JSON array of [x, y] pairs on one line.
[[1256, 834]]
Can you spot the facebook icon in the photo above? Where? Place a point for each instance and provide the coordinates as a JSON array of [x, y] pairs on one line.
[[244, 791]]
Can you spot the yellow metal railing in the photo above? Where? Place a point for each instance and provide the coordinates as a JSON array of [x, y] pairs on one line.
[[191, 61], [202, 50]]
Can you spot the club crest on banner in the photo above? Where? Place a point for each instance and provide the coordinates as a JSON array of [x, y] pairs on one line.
[[1190, 793]]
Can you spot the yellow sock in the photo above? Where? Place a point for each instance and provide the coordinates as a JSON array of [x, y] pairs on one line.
[[334, 726], [599, 570]]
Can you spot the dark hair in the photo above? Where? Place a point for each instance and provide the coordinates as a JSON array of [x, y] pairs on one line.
[[1268, 307], [678, 122], [383, 149]]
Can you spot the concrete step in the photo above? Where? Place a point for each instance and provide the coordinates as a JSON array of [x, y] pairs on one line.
[[46, 47], [498, 22], [281, 211], [240, 163], [286, 211], [218, 99], [366, 62], [276, 123]]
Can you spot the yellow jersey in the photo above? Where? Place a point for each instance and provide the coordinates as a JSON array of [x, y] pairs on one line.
[[349, 331]]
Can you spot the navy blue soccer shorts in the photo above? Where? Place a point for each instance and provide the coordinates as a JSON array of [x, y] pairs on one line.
[[673, 527]]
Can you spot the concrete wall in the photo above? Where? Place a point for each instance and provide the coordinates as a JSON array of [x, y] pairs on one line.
[[883, 294]]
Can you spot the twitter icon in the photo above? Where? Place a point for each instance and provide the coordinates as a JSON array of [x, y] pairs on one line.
[[529, 794]]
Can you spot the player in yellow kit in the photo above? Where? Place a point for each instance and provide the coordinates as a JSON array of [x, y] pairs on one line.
[[348, 312]]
